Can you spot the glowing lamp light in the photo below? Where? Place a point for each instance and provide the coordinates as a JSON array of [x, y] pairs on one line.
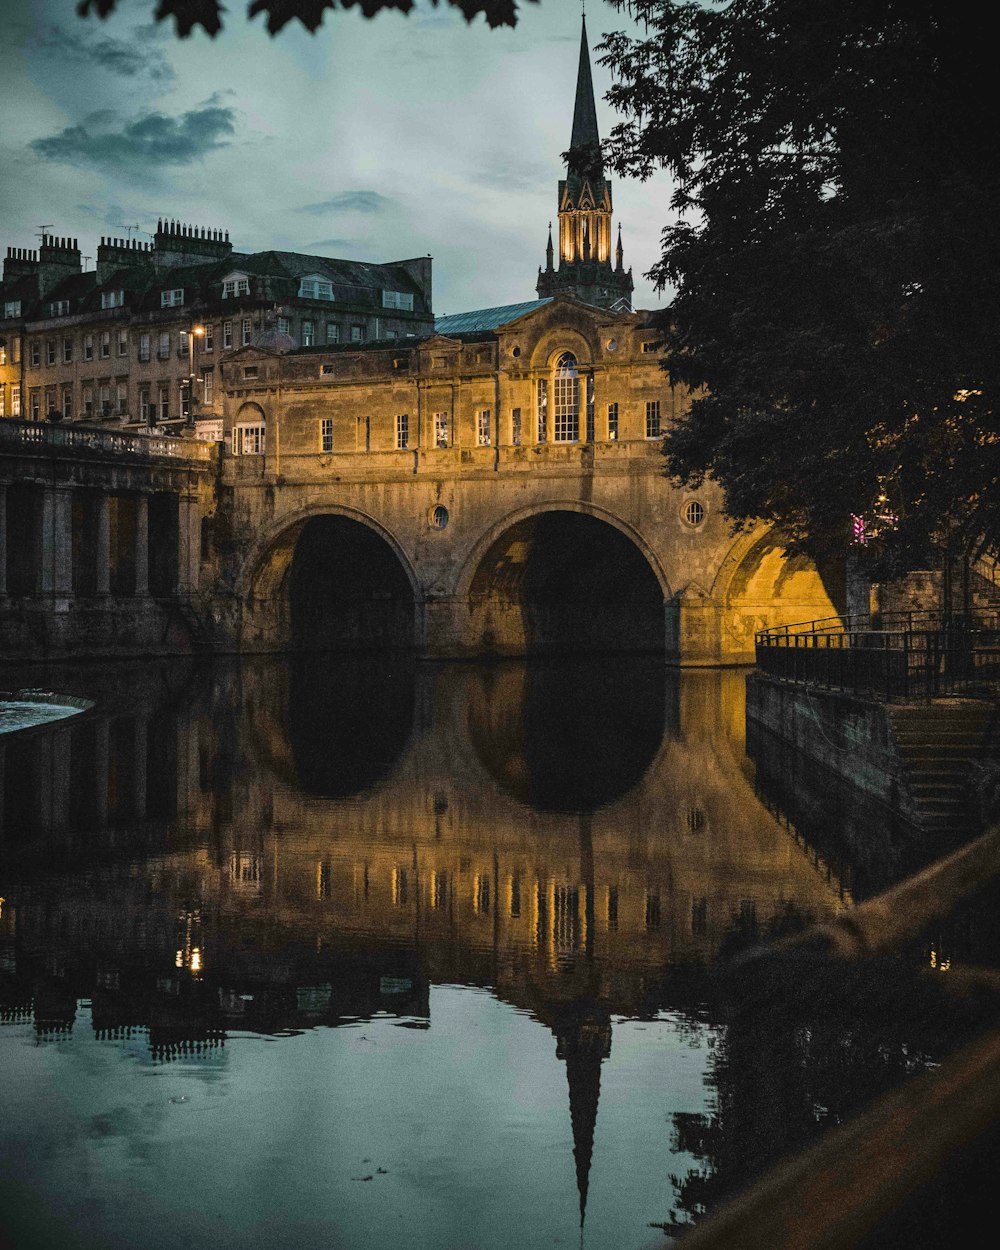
[[858, 533]]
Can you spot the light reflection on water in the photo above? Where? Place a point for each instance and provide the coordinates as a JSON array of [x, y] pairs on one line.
[[334, 953]]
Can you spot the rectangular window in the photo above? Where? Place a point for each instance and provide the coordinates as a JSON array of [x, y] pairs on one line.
[[105, 344], [88, 401], [357, 334], [483, 427], [250, 372], [515, 426], [50, 352], [123, 342], [590, 408], [208, 385], [326, 433], [543, 409], [208, 342], [481, 894], [67, 351], [50, 400], [248, 440], [647, 348], [34, 353], [440, 429], [12, 308], [182, 342], [15, 400], [34, 401], [67, 403], [652, 418], [247, 331], [145, 411], [308, 334], [315, 288], [112, 299], [163, 401], [122, 397], [163, 350], [612, 421], [403, 430], [104, 398], [172, 299], [59, 308], [184, 397], [332, 332], [143, 348], [227, 335], [88, 347], [234, 287], [397, 299]]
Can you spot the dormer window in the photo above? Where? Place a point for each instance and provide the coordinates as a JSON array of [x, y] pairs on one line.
[[397, 299], [315, 286], [12, 308], [112, 299], [172, 299], [59, 308], [235, 285]]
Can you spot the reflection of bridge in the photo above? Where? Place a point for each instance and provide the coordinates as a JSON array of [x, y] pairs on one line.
[[192, 883]]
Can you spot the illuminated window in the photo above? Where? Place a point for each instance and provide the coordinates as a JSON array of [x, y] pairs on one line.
[[440, 429], [652, 418], [326, 433], [248, 440], [612, 421], [566, 394], [483, 427], [15, 400], [208, 385], [403, 431]]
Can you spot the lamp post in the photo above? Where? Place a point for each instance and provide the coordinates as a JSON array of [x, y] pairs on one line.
[[196, 331]]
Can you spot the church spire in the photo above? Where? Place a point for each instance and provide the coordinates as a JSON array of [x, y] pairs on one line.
[[548, 251], [585, 133]]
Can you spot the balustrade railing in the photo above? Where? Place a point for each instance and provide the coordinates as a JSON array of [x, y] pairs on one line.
[[37, 434]]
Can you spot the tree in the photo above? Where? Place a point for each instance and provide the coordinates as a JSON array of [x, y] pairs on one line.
[[835, 258], [207, 14]]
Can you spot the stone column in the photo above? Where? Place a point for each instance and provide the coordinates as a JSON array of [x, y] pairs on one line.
[[142, 546], [188, 544], [55, 567], [3, 540], [102, 546]]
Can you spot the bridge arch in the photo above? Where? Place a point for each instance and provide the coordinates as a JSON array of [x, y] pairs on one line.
[[563, 575], [328, 577]]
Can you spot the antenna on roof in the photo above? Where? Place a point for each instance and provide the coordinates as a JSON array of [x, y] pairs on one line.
[[42, 230], [85, 259], [129, 229]]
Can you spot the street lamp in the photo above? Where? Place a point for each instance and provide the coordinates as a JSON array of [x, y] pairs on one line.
[[196, 331]]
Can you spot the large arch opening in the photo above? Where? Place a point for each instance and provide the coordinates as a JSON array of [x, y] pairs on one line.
[[347, 590], [565, 581]]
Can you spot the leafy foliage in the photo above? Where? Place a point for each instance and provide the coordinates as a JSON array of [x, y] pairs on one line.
[[835, 256], [207, 14]]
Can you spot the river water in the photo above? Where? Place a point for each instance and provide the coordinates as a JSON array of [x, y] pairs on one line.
[[356, 953]]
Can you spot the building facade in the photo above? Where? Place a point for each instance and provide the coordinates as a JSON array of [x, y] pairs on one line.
[[130, 342]]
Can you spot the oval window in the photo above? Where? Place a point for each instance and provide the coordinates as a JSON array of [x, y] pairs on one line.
[[439, 517], [693, 513], [612, 345]]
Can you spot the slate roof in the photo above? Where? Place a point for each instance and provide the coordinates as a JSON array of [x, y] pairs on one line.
[[486, 318]]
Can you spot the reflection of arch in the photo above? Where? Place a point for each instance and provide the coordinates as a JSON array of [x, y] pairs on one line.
[[468, 571]]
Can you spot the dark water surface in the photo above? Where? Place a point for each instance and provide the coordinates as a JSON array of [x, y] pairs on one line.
[[372, 953]]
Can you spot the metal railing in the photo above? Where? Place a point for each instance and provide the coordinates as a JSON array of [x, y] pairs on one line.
[[896, 656]]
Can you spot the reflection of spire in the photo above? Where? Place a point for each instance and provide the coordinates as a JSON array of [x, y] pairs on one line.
[[583, 1039]]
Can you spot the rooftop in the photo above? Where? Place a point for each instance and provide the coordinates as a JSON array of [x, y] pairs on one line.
[[486, 318]]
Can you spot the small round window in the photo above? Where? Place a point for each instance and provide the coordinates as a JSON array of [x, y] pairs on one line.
[[693, 513], [612, 345], [515, 350], [439, 517]]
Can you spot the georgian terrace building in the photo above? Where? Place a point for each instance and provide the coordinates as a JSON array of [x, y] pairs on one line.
[[122, 344]]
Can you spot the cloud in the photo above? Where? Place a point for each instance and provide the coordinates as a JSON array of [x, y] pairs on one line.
[[349, 202], [143, 145], [343, 244], [127, 58]]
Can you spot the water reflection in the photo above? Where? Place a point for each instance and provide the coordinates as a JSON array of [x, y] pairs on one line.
[[260, 849]]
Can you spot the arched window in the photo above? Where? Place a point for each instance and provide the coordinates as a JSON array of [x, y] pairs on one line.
[[566, 394]]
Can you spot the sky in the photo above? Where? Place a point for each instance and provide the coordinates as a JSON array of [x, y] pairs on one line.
[[375, 140]]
